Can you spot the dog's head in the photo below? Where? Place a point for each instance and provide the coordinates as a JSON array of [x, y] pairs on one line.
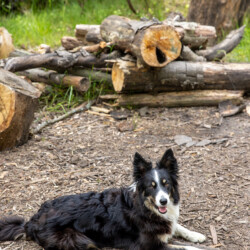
[[157, 187]]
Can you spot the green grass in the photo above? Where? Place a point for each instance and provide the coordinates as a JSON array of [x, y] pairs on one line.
[[242, 52], [49, 25]]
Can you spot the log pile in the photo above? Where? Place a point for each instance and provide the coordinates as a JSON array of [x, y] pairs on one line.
[[148, 62]]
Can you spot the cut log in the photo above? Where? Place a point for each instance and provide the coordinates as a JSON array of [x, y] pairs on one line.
[[218, 51], [59, 61], [193, 34], [69, 42], [18, 100], [81, 84], [152, 43], [182, 99], [6, 45], [180, 75], [82, 30]]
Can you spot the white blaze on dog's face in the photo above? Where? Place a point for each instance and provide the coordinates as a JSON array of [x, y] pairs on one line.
[[158, 186]]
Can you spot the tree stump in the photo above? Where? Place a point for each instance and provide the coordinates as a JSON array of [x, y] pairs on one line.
[[18, 100]]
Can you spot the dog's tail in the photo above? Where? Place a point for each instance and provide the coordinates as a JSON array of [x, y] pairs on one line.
[[12, 228]]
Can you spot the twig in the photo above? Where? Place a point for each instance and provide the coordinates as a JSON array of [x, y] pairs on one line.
[[83, 107], [214, 234], [131, 6]]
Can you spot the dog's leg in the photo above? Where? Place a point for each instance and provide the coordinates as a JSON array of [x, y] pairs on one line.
[[189, 235]]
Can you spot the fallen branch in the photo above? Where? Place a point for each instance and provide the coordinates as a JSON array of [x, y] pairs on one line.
[[221, 49], [93, 75], [81, 84], [59, 61], [83, 107], [188, 55]]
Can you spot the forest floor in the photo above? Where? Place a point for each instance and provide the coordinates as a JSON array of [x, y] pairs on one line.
[[90, 152]]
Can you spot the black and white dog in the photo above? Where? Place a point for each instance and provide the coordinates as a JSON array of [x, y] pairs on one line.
[[143, 216]]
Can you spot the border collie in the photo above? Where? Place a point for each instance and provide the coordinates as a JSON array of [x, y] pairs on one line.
[[140, 217]]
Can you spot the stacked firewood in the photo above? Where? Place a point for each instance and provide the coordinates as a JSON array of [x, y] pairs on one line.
[[148, 62]]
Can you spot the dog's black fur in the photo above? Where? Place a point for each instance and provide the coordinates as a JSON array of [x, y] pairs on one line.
[[115, 218]]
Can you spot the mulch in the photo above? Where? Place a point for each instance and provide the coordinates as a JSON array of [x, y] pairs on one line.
[[91, 152]]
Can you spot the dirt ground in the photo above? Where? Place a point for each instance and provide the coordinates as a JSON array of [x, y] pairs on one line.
[[89, 152]]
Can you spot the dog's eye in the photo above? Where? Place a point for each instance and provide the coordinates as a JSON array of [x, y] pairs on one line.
[[153, 184], [164, 181]]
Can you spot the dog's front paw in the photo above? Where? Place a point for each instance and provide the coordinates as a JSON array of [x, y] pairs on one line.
[[197, 237]]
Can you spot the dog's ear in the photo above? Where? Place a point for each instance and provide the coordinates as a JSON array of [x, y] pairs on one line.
[[169, 162], [141, 166]]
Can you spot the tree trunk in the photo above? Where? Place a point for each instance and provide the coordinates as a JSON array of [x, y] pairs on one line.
[[153, 43], [59, 61], [224, 15], [182, 99], [180, 75], [81, 84], [18, 100]]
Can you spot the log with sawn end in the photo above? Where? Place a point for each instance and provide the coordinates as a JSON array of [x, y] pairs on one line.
[[151, 42], [18, 101], [59, 61], [180, 75], [81, 84], [181, 99]]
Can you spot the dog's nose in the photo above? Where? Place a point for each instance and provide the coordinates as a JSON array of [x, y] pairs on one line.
[[163, 201]]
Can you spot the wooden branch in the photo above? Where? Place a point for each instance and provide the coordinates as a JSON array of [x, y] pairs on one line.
[[59, 61], [83, 107], [18, 101], [131, 6], [182, 99], [93, 75], [188, 55], [152, 43], [221, 49], [81, 84], [180, 75]]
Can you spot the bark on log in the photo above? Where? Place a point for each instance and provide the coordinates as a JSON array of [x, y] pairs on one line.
[[69, 42], [151, 42], [218, 51], [223, 15], [193, 34], [182, 99], [81, 84], [180, 75], [94, 75], [59, 61], [82, 30], [18, 100]]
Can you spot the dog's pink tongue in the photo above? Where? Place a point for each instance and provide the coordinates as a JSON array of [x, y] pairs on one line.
[[163, 210]]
